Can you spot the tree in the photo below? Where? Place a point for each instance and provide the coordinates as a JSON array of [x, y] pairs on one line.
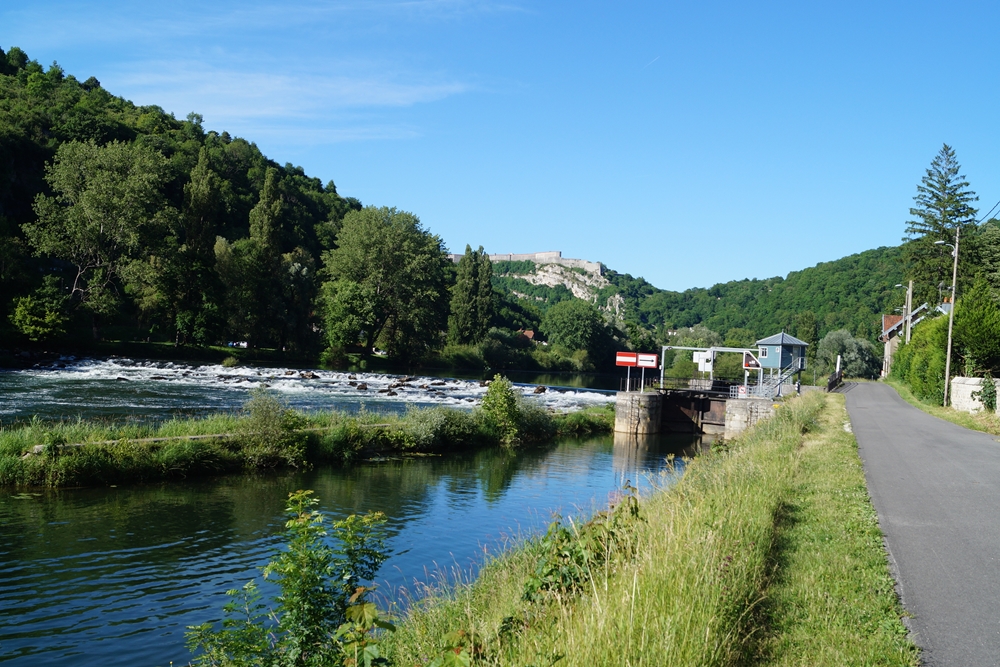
[[943, 205], [977, 328], [577, 325], [108, 199], [194, 288], [386, 283], [42, 314], [473, 301], [858, 357]]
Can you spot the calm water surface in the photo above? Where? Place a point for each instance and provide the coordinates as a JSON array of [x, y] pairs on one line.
[[113, 576]]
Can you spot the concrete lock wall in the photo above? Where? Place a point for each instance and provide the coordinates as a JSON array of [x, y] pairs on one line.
[[742, 413], [638, 412], [961, 394]]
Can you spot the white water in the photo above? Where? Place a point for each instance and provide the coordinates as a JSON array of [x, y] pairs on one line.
[[125, 387]]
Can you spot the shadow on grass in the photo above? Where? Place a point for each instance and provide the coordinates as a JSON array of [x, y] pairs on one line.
[[758, 646]]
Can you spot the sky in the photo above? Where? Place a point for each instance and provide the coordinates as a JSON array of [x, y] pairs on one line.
[[687, 143]]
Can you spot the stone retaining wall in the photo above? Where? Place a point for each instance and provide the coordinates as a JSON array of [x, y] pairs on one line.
[[962, 389]]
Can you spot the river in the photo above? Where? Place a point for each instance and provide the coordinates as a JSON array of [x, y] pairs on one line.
[[112, 576]]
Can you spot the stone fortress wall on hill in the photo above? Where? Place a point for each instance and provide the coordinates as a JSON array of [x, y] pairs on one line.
[[550, 257]]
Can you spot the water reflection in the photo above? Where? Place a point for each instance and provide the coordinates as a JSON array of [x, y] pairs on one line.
[[113, 576]]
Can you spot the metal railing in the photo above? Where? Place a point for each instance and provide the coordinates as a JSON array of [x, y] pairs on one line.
[[835, 380]]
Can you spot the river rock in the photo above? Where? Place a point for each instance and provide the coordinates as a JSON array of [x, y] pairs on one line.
[[353, 383], [391, 393], [289, 372], [540, 389], [309, 375], [363, 387], [352, 377]]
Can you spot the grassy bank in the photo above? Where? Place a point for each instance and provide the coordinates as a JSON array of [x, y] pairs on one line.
[[765, 552], [266, 435], [981, 421]]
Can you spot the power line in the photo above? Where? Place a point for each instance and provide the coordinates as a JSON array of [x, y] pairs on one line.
[[988, 214]]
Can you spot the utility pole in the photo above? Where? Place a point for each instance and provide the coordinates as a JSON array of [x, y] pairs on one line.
[[951, 311], [907, 316]]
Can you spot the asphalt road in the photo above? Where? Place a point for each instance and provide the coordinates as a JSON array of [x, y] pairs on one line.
[[936, 488]]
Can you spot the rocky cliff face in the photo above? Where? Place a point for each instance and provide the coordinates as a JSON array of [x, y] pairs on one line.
[[583, 284]]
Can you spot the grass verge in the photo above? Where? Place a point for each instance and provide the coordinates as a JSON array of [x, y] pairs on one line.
[[981, 421], [716, 572], [831, 600]]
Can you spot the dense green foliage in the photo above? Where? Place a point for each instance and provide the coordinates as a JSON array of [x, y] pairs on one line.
[[858, 357], [849, 293], [473, 301], [920, 364], [321, 616], [388, 284], [149, 222]]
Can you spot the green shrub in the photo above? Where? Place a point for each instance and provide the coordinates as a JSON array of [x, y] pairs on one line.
[[230, 362], [988, 394], [269, 436], [501, 409], [920, 363], [321, 615]]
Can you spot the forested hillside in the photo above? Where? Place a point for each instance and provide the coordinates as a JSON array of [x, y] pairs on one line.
[[120, 222], [849, 293], [177, 253]]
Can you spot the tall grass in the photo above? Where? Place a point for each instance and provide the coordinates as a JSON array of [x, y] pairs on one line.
[[688, 590], [265, 435]]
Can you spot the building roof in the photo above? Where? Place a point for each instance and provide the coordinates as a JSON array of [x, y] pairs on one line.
[[782, 339], [893, 324]]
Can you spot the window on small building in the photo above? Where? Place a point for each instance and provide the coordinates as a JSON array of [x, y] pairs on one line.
[[763, 352]]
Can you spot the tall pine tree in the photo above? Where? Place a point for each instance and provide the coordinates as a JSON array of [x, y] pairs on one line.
[[943, 205]]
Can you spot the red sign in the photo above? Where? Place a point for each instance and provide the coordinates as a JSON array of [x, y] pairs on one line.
[[647, 361], [626, 359]]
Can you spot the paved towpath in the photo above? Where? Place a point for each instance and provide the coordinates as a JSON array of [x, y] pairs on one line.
[[936, 487]]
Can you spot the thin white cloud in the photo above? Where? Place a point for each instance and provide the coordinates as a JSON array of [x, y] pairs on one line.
[[238, 93], [287, 108]]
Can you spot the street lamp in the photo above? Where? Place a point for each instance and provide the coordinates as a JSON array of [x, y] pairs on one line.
[[951, 311]]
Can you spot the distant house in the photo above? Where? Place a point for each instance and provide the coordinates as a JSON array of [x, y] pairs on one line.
[[893, 329]]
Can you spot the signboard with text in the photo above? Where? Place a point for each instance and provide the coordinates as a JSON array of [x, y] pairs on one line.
[[750, 362]]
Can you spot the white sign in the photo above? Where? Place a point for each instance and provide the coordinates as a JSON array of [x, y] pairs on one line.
[[647, 361], [704, 361]]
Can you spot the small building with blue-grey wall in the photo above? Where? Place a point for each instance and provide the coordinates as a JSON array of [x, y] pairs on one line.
[[781, 352]]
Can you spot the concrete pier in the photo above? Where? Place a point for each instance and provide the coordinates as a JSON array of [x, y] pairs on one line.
[[742, 413], [639, 413]]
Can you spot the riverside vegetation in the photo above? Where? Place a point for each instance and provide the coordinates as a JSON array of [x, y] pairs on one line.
[[269, 435], [767, 551]]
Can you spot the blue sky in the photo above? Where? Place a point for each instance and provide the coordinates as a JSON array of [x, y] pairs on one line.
[[689, 143]]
